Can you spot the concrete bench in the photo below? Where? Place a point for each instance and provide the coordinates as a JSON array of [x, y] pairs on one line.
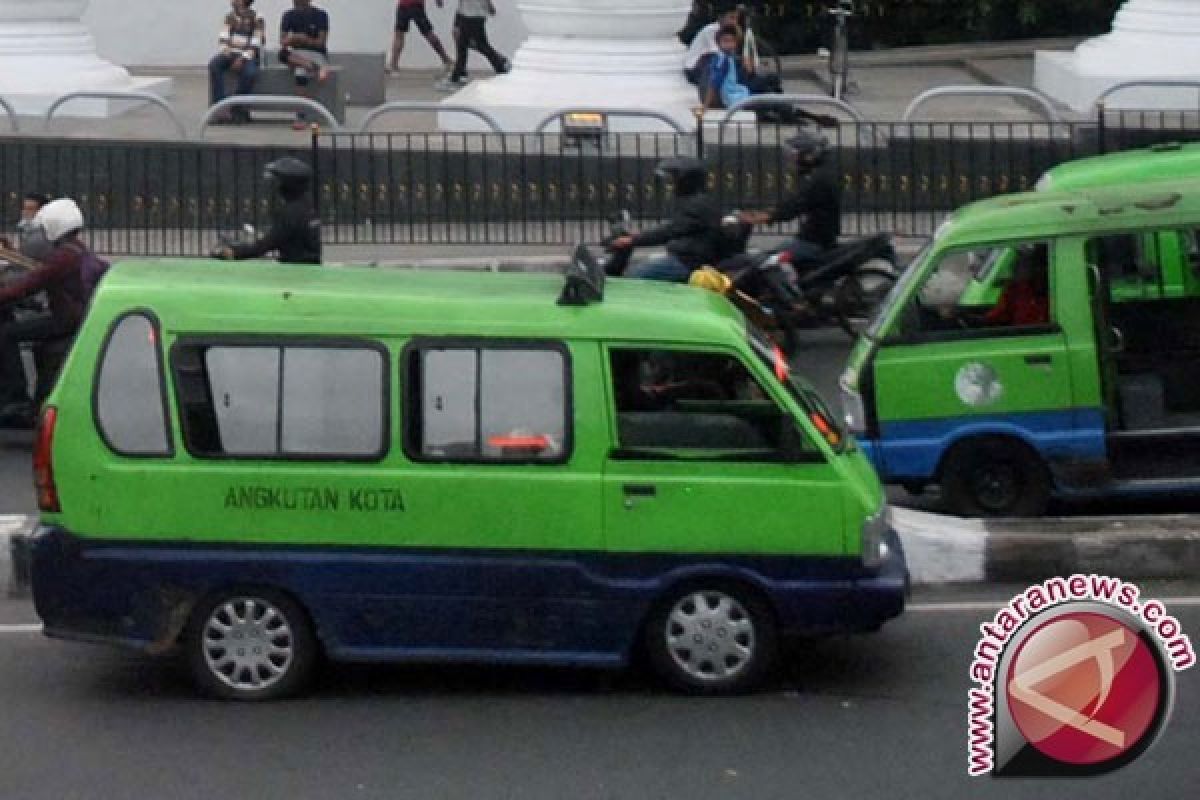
[[357, 79], [276, 79]]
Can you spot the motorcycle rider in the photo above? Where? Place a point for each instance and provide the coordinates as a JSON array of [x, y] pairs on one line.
[[61, 279], [817, 198], [295, 232], [693, 236]]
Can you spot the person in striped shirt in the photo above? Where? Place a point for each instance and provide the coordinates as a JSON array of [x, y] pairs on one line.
[[242, 40]]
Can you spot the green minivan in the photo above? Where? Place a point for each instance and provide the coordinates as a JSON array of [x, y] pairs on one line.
[[1171, 250], [258, 465], [1060, 377]]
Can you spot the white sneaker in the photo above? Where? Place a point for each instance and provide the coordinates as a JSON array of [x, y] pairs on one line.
[[448, 84]]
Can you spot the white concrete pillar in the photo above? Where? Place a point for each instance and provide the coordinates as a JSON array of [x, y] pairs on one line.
[[1150, 39], [590, 53], [45, 51]]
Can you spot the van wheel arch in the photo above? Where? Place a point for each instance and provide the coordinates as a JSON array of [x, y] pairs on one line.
[[994, 474]]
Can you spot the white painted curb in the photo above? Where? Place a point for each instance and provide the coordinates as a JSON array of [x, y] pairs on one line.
[[942, 549]]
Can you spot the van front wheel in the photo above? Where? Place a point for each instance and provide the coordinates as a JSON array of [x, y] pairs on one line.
[[994, 477], [711, 638], [253, 644]]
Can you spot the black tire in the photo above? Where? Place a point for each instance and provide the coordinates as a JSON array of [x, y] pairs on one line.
[[740, 625], [265, 620], [995, 477], [859, 295]]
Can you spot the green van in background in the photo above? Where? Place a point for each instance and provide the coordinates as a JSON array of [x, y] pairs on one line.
[[1063, 380], [259, 464]]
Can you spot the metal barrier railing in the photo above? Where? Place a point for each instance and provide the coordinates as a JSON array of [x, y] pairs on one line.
[[1044, 103], [97, 94], [401, 106], [1148, 83], [628, 113], [12, 115], [270, 101], [786, 101]]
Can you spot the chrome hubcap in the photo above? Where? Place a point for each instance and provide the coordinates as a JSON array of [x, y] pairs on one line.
[[710, 636], [248, 644]]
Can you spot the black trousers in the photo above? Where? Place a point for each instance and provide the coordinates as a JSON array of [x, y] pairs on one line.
[[42, 328], [471, 32]]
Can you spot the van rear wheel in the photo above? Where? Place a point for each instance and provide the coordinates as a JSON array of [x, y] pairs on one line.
[[253, 644], [711, 638], [995, 477]]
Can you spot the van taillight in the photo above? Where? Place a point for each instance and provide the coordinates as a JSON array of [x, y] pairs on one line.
[[43, 462]]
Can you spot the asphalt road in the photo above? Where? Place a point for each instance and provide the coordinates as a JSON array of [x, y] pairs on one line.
[[875, 716]]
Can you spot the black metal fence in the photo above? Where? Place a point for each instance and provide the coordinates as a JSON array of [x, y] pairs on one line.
[[495, 189]]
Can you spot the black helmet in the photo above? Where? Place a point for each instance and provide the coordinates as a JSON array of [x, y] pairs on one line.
[[689, 176], [808, 148], [291, 175]]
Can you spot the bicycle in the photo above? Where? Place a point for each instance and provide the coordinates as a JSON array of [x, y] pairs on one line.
[[839, 55]]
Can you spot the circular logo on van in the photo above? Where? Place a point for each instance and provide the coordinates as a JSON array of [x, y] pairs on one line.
[[978, 385]]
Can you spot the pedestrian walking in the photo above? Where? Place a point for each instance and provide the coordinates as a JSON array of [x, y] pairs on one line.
[[470, 32], [409, 13]]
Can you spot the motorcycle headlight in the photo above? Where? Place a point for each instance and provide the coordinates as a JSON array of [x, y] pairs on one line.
[[853, 409], [874, 538]]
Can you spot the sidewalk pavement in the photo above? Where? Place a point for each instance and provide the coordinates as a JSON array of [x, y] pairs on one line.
[[886, 82]]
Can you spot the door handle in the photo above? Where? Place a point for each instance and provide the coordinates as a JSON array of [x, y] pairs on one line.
[[1039, 359], [640, 490]]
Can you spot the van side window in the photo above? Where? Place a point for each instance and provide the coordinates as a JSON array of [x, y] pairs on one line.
[[983, 291], [482, 404], [706, 406], [131, 409], [282, 402]]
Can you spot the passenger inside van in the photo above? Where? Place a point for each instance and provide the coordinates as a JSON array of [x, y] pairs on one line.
[[1026, 298]]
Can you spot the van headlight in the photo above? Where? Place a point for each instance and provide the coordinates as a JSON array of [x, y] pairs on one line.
[[874, 537], [852, 408]]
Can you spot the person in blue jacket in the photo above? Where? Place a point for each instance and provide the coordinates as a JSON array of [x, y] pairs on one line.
[[725, 89]]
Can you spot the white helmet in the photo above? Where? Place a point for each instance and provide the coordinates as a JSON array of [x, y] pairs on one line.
[[59, 218]]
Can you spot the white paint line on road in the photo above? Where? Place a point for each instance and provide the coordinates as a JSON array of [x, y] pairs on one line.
[[993, 605], [20, 629]]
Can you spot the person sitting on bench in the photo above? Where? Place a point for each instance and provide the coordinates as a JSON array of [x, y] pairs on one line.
[[303, 37], [242, 40]]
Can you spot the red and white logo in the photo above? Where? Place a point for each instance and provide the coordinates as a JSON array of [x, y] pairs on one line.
[[1074, 676], [1084, 688]]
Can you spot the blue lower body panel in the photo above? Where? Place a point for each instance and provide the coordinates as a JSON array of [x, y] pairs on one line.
[[913, 450], [397, 605]]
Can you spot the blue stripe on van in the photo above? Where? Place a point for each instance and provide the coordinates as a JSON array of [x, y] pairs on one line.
[[914, 449], [390, 605]]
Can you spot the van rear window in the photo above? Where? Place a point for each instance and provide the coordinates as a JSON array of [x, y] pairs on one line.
[[130, 406], [310, 401]]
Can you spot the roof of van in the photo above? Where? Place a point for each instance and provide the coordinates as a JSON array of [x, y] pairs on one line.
[[1171, 161], [193, 296], [1056, 213]]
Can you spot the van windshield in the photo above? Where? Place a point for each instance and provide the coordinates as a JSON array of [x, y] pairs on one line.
[[899, 291], [814, 407]]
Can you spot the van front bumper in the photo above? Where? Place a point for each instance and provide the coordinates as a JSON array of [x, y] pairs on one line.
[[860, 604]]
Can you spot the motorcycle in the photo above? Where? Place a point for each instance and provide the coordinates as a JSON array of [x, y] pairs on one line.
[[247, 235], [844, 287], [48, 356]]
